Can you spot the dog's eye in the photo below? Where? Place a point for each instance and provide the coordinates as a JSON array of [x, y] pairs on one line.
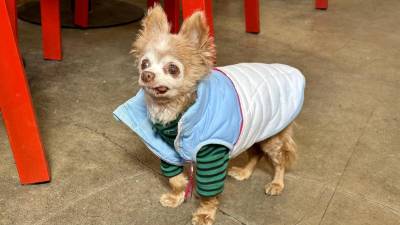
[[145, 64], [173, 69]]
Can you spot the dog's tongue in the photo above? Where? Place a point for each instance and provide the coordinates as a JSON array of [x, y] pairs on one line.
[[162, 89]]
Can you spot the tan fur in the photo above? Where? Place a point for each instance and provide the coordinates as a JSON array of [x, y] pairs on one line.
[[243, 173], [193, 52], [205, 214], [281, 152], [288, 147], [176, 197]]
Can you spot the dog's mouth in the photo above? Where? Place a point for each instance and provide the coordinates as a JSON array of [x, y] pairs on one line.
[[159, 90]]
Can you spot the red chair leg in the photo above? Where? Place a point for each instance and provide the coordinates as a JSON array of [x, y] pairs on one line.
[[190, 6], [321, 4], [12, 13], [51, 29], [252, 15], [17, 111], [172, 10], [150, 3], [81, 17]]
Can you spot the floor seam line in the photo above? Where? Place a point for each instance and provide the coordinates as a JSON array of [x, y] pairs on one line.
[[105, 187], [347, 164], [116, 144], [324, 188], [230, 216]]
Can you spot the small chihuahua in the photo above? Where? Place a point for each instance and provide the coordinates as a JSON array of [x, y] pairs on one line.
[[189, 112]]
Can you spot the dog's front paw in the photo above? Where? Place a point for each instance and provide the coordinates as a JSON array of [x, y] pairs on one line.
[[203, 218], [172, 200], [239, 173], [273, 189]]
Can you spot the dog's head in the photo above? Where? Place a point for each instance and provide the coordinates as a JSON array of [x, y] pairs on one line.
[[170, 65]]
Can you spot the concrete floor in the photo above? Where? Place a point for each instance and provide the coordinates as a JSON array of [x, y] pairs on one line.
[[348, 170]]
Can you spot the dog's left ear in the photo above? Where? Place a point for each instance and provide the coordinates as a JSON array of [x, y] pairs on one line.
[[196, 31]]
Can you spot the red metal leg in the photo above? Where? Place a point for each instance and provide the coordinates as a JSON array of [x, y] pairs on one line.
[[321, 4], [16, 105], [12, 13], [81, 18], [150, 3], [172, 10], [190, 6], [252, 14], [51, 29]]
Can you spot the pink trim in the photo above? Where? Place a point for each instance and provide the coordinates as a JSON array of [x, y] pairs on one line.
[[240, 104], [189, 185]]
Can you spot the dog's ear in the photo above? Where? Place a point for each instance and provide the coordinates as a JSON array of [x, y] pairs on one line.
[[195, 29], [155, 22]]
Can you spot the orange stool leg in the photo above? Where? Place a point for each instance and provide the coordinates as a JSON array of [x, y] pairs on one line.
[[12, 13], [81, 17], [51, 29], [17, 110], [190, 6], [321, 4], [252, 15], [172, 11]]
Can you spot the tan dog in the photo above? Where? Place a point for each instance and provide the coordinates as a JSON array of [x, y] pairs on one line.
[[170, 68]]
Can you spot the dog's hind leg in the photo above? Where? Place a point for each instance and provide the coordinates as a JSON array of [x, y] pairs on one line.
[[175, 198], [242, 173], [281, 150]]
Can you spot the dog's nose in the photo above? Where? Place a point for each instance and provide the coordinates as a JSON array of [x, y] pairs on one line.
[[147, 76]]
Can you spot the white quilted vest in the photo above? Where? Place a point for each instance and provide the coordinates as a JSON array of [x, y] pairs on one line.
[[271, 96]]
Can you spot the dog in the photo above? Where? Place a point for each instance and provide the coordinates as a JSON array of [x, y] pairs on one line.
[[188, 111]]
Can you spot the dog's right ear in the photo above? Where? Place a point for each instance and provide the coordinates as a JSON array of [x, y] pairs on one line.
[[155, 22]]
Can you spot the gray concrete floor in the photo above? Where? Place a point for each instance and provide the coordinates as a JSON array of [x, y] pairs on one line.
[[348, 132]]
